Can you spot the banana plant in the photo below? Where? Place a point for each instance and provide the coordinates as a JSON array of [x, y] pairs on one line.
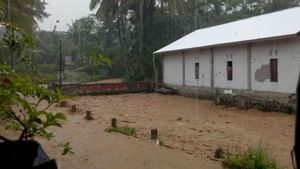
[[97, 60]]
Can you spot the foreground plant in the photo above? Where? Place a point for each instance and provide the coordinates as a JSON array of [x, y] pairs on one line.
[[252, 158], [24, 105]]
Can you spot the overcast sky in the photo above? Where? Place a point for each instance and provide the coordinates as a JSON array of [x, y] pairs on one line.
[[66, 11]]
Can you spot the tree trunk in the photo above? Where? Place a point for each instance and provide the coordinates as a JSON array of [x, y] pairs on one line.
[[141, 34], [125, 45], [122, 33], [119, 27]]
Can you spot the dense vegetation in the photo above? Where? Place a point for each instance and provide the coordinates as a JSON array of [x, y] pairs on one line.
[[127, 31], [252, 158]]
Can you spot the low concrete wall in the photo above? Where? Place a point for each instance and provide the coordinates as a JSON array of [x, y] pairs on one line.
[[266, 101], [108, 88]]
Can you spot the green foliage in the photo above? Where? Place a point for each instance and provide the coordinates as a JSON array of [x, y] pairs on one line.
[[253, 158], [97, 64], [124, 130], [17, 41], [25, 13], [67, 149], [84, 35], [135, 73], [97, 60], [24, 105], [83, 38]]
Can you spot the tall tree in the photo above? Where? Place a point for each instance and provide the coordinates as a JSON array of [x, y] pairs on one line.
[[110, 11], [25, 13]]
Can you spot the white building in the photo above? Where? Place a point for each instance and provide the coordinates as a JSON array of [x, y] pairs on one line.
[[258, 56]]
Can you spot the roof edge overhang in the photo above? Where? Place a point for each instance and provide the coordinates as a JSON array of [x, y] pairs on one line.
[[232, 43]]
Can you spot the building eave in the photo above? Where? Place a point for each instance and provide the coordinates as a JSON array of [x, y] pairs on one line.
[[231, 43]]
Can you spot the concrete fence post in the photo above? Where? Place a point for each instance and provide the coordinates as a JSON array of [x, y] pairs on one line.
[[114, 123], [88, 115], [154, 133], [73, 109]]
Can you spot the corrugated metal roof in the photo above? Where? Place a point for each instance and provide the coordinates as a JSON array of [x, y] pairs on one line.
[[272, 25]]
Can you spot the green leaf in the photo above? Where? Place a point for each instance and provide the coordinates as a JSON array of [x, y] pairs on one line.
[[67, 149], [98, 59], [60, 116], [106, 60]]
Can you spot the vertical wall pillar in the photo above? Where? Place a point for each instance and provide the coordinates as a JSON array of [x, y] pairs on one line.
[[163, 68], [183, 68], [212, 66], [155, 71], [249, 58]]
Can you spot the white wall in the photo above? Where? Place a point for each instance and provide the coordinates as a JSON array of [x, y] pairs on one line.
[[288, 55], [203, 57], [238, 55], [172, 69]]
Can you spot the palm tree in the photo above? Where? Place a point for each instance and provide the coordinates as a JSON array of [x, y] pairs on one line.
[[24, 13], [119, 10], [111, 10]]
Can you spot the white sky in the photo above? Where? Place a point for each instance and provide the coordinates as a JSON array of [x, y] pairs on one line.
[[65, 11]]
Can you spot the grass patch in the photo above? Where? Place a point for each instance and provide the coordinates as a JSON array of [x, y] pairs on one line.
[[252, 158], [124, 130]]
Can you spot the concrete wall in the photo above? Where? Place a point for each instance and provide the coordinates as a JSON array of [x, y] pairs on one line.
[[288, 54], [287, 51], [238, 55], [172, 69], [203, 57]]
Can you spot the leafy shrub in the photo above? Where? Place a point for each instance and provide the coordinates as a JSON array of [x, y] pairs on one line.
[[252, 158], [21, 97], [20, 105]]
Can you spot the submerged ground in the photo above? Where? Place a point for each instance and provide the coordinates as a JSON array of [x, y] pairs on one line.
[[192, 129]]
